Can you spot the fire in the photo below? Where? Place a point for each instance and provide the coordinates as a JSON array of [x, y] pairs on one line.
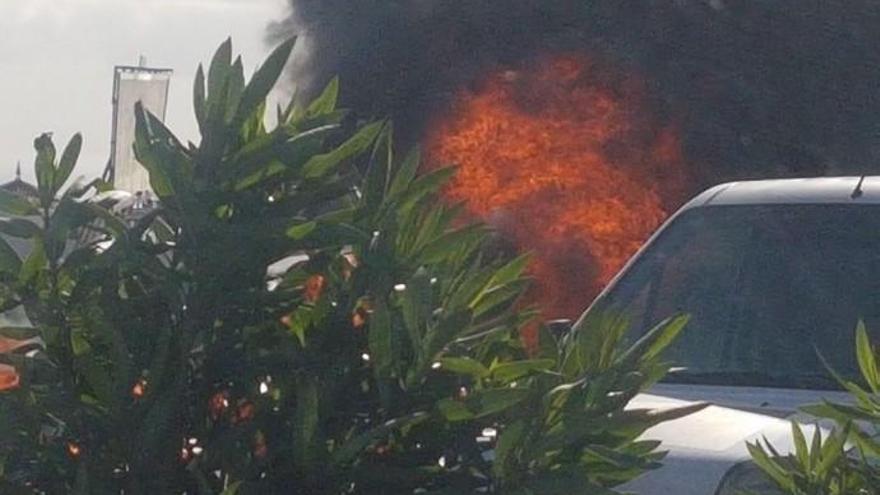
[[565, 165]]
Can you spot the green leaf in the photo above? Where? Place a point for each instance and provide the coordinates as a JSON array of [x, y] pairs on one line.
[[254, 127], [218, 73], [505, 276], [867, 359], [349, 451], [325, 103], [499, 296], [425, 226], [510, 438], [620, 460], [840, 412], [112, 222], [812, 458], [301, 231], [424, 186], [656, 340], [19, 227], [511, 271], [68, 161], [232, 489], [79, 344], [199, 99], [770, 467], [548, 345], [157, 149], [306, 420], [329, 233], [9, 261], [482, 403], [283, 114], [96, 376], [833, 450], [19, 333], [263, 81], [274, 154], [234, 90], [454, 410], [644, 446], [866, 442], [381, 339], [407, 171], [464, 366], [300, 321], [375, 183], [440, 248], [45, 168], [444, 332], [507, 372], [800, 444], [417, 305], [34, 264], [665, 337], [473, 285], [636, 421], [333, 118], [355, 145]]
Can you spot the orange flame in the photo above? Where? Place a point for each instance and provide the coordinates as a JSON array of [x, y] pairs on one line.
[[565, 165]]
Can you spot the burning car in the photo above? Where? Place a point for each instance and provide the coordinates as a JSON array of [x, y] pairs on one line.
[[771, 272]]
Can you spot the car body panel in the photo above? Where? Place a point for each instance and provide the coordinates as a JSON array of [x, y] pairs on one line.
[[706, 445], [825, 190]]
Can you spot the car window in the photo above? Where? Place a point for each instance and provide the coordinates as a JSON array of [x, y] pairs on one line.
[[765, 287]]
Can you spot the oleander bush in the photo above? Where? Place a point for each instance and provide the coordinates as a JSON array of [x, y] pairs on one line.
[[297, 313]]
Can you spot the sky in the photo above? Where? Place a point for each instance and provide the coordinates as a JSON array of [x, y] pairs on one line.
[[58, 56]]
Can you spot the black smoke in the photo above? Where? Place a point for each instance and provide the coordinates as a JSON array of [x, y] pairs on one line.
[[759, 88]]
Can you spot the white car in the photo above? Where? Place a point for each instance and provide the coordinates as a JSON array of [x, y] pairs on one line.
[[770, 271]]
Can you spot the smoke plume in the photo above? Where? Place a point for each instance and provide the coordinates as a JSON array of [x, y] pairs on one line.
[[760, 88], [580, 125]]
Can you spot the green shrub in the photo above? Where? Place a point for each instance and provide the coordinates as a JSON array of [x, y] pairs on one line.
[[383, 358], [847, 461]]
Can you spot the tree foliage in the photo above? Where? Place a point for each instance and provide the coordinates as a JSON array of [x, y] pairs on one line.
[[300, 312]]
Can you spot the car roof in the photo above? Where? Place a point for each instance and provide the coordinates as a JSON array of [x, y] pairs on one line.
[[823, 190]]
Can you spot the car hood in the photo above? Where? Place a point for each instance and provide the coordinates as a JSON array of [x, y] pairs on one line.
[[705, 445]]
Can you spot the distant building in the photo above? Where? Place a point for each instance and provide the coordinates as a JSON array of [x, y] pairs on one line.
[[130, 85], [16, 317], [19, 186]]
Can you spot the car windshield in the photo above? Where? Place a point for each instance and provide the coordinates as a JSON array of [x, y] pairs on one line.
[[765, 285]]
